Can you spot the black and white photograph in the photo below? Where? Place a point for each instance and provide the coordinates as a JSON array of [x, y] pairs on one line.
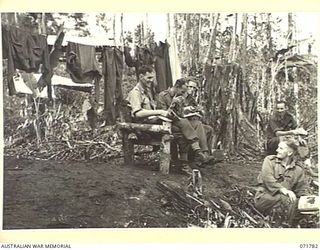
[[160, 120]]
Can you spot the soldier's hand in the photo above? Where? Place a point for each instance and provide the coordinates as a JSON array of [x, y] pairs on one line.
[[300, 131], [188, 108], [164, 113], [292, 196]]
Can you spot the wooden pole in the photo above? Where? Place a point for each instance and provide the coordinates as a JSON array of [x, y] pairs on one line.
[[114, 29], [165, 154], [43, 23]]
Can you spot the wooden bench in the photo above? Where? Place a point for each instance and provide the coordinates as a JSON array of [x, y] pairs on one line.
[[158, 135]]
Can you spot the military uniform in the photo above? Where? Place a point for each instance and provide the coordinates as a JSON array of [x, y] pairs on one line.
[[274, 176], [139, 98], [278, 124], [166, 100], [195, 122]]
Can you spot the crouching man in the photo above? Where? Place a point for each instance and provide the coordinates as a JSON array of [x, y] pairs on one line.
[[281, 182]]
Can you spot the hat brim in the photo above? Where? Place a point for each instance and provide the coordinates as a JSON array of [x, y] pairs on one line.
[[192, 114]]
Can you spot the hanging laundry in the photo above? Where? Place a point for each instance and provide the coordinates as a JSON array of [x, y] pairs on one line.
[[56, 52], [128, 58], [174, 59], [82, 64], [31, 81], [112, 71], [162, 67], [20, 85], [143, 56], [26, 52], [53, 61]]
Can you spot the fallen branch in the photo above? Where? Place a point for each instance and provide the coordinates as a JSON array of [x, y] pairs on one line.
[[250, 218]]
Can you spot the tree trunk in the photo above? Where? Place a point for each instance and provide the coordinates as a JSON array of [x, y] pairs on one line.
[[212, 42], [295, 84], [290, 29], [188, 41], [232, 48]]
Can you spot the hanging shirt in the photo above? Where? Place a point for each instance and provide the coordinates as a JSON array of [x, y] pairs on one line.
[[25, 51], [82, 64], [143, 56]]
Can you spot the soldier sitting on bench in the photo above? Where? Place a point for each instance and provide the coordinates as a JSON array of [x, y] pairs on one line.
[[174, 98], [142, 107]]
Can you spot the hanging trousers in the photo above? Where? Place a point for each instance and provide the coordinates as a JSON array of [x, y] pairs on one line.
[[162, 67], [112, 70]]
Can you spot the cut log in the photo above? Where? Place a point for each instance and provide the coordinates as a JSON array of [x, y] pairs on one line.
[[134, 127]]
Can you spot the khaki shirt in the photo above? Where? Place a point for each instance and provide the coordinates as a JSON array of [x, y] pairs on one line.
[[276, 124], [165, 99], [275, 176], [139, 99]]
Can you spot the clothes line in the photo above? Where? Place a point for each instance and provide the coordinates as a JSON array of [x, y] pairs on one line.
[[86, 40]]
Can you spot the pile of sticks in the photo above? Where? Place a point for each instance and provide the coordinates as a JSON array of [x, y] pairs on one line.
[[100, 145], [234, 209]]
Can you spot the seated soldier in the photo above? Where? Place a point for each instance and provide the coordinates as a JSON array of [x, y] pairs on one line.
[[142, 107], [280, 124], [193, 107], [281, 182], [174, 99]]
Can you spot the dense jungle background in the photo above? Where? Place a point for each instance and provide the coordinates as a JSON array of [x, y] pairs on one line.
[[64, 172]]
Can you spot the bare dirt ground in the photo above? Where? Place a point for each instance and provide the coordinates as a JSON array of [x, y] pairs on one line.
[[56, 194]]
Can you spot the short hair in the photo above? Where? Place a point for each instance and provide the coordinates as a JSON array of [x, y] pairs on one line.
[[144, 69], [292, 143], [180, 82]]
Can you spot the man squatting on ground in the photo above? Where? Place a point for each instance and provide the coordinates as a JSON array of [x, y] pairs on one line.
[[281, 181], [281, 123], [143, 105]]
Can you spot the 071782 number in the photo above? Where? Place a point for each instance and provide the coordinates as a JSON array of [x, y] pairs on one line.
[[309, 246]]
